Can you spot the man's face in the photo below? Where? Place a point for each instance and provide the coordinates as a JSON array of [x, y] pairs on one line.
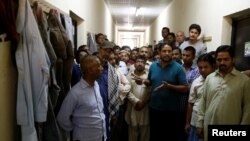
[[134, 54], [205, 68], [150, 52], [164, 33], [100, 40], [140, 65], [193, 34], [166, 53], [176, 55], [96, 69], [128, 49], [117, 54], [180, 37], [187, 57], [144, 51], [224, 62], [112, 59], [170, 38], [124, 57], [104, 53]]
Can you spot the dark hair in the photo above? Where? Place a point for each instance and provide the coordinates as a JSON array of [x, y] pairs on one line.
[[162, 45], [174, 48], [150, 46], [142, 57], [95, 53], [212, 53], [206, 58], [195, 26], [82, 47], [166, 29], [191, 49], [135, 49], [79, 50], [124, 47], [225, 48], [116, 47], [98, 35], [172, 34]]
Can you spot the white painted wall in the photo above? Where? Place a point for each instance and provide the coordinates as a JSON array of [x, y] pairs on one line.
[[97, 18], [209, 14], [147, 35]]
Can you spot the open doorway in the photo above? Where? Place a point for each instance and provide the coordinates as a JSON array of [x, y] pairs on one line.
[[241, 40], [131, 39]]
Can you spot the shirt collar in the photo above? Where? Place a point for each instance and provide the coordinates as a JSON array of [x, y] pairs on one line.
[[159, 61], [193, 66], [144, 72], [84, 83], [202, 78], [233, 72]]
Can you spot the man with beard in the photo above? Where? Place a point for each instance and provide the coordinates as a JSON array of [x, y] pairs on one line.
[[168, 80], [108, 83], [137, 112], [144, 52], [226, 96]]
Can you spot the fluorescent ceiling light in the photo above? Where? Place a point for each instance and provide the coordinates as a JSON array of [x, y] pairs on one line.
[[132, 10], [139, 11]]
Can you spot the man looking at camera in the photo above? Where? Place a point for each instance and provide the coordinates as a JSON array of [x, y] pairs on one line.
[[167, 79], [226, 96]]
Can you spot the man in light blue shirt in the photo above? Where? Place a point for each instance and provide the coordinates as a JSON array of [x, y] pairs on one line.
[[82, 109]]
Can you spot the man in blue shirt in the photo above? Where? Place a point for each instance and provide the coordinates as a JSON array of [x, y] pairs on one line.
[[108, 83], [168, 80]]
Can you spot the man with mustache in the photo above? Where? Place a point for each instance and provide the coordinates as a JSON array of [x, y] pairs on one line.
[[137, 112], [226, 96], [168, 80]]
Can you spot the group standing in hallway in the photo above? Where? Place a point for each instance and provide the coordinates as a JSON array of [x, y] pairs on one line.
[[171, 90], [166, 91]]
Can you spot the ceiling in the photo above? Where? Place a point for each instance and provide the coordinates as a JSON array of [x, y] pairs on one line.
[[135, 14]]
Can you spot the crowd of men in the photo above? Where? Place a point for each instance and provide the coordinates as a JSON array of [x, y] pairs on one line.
[[170, 90]]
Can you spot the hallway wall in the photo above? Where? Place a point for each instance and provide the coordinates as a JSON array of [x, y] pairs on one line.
[[97, 17], [210, 15]]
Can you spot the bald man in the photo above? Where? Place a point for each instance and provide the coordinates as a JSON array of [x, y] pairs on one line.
[[82, 109]]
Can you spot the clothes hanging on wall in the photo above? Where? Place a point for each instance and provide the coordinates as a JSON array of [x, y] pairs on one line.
[[65, 57], [44, 30], [33, 73], [91, 43], [69, 28], [49, 130]]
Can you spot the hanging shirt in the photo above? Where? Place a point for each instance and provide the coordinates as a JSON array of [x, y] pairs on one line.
[[33, 73]]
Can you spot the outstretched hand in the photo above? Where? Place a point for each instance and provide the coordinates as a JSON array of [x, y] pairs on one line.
[[164, 85]]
